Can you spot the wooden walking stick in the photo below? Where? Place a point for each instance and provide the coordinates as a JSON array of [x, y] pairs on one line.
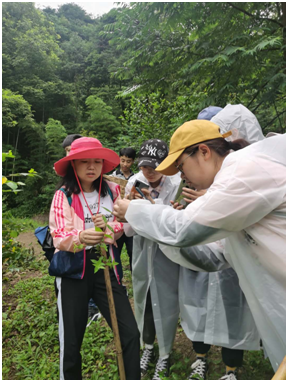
[[280, 374], [114, 319]]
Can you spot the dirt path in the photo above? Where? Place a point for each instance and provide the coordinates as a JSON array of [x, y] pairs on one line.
[[28, 240]]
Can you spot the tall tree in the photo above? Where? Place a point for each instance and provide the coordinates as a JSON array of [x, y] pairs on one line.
[[55, 133], [230, 51], [101, 123]]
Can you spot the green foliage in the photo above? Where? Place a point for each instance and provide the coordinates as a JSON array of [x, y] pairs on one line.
[[13, 255], [30, 49], [13, 186], [30, 331], [30, 336], [136, 73], [11, 249], [232, 53], [154, 116], [55, 133], [100, 121]]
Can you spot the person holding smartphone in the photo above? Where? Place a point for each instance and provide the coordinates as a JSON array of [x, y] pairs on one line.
[[217, 312], [245, 205], [155, 277]]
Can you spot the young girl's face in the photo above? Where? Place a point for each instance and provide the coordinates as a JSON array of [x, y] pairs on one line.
[[88, 170]]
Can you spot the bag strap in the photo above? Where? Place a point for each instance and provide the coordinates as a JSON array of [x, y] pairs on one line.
[[110, 193], [68, 197]]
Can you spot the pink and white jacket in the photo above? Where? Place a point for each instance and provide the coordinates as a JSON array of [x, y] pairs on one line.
[[66, 222]]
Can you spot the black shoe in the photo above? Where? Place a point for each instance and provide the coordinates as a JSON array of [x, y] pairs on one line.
[[162, 369], [199, 369], [148, 356]]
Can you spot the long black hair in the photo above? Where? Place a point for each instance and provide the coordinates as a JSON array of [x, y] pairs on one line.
[[71, 185]]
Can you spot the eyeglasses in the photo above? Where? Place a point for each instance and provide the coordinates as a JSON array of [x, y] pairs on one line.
[[180, 166]]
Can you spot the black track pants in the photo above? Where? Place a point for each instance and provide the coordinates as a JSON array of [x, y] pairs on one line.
[[129, 246], [73, 297]]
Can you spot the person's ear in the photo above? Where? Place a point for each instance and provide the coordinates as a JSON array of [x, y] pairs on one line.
[[205, 151]]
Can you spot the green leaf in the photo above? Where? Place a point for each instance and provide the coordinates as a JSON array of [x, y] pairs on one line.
[[98, 264], [97, 229], [107, 210], [13, 234], [7, 155], [104, 218], [12, 185], [108, 236], [111, 229]]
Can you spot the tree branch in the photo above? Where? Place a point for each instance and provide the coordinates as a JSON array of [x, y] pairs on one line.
[[278, 117], [255, 17], [256, 95], [272, 120]]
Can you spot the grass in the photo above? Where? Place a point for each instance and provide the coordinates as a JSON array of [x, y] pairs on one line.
[[30, 345]]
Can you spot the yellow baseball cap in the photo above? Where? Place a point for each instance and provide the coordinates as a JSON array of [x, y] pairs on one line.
[[188, 134]]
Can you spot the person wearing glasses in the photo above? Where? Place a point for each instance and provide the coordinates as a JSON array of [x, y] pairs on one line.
[[215, 314], [244, 205]]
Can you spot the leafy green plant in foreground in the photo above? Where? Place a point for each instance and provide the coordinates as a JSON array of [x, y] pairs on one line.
[[102, 261]]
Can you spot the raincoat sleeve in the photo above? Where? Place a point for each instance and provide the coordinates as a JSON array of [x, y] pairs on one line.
[[242, 194], [200, 258], [65, 235], [128, 230]]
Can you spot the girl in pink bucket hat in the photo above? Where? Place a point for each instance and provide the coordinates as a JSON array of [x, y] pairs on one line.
[[81, 200]]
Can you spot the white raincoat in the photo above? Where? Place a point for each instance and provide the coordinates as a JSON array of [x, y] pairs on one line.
[[152, 269], [246, 206], [240, 121], [213, 313]]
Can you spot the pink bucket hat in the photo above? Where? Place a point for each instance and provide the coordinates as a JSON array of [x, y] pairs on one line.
[[83, 148]]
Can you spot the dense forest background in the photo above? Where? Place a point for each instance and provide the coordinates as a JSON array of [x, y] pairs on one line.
[[137, 72]]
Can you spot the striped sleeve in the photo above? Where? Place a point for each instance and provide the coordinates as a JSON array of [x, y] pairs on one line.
[[62, 227]]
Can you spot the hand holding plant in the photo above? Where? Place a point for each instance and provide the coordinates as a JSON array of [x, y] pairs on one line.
[[91, 237], [95, 237], [99, 221]]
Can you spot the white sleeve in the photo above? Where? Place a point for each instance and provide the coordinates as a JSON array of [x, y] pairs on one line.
[[128, 230], [241, 195], [207, 258]]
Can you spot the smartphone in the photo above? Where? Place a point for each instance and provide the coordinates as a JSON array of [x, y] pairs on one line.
[[140, 192], [179, 197], [140, 185]]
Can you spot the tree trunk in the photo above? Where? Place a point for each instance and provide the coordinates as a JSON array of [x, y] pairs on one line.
[[16, 145], [283, 6]]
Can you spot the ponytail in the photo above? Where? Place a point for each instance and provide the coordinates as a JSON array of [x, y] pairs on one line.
[[238, 144]]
